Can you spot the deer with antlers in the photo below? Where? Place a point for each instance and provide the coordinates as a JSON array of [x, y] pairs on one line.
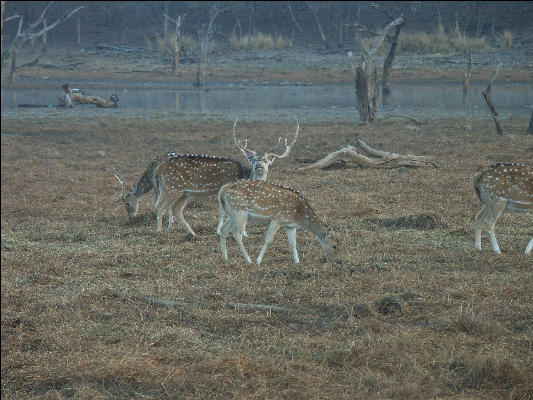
[[259, 201], [186, 177], [499, 187]]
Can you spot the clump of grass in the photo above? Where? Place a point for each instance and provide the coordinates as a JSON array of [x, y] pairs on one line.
[[484, 372], [507, 40], [260, 41]]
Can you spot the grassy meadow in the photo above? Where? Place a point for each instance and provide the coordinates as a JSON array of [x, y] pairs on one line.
[[98, 306]]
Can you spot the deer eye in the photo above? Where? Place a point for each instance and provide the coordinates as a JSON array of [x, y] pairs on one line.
[[334, 246]]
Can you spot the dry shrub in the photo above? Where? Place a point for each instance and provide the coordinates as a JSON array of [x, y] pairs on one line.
[[507, 40], [259, 41]]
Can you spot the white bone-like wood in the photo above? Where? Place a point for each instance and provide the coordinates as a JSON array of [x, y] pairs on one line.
[[265, 202], [499, 187]]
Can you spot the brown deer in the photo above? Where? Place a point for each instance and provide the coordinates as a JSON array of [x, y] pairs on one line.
[[502, 186], [139, 189], [281, 206], [190, 176]]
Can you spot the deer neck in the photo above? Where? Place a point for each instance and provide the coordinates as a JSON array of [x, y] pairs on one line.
[[146, 183], [310, 221]]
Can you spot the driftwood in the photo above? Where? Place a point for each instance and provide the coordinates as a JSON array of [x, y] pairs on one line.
[[486, 95], [372, 158], [70, 97]]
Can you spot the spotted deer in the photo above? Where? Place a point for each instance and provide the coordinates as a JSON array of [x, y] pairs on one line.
[[265, 202], [191, 176], [502, 186], [139, 189]]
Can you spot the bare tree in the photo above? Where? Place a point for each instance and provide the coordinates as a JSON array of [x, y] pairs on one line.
[[408, 12], [171, 45], [30, 32], [367, 109], [488, 99], [205, 36]]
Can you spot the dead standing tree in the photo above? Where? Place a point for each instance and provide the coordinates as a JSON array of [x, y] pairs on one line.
[[530, 127], [367, 109], [206, 35], [171, 45], [490, 104], [31, 32]]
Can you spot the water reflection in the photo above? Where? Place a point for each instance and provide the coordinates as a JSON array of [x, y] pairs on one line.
[[418, 99]]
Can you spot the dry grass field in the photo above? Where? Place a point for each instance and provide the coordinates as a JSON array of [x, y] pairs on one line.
[[97, 306]]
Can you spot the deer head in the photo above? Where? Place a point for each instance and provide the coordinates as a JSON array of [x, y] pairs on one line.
[[260, 164], [130, 201]]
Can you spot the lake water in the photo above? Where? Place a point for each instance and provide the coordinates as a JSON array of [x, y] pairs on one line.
[[307, 102]]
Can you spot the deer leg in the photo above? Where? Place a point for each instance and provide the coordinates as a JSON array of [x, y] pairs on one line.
[[239, 222], [271, 231], [494, 214], [224, 230], [291, 235], [478, 224], [529, 246], [221, 214], [163, 205], [180, 205]]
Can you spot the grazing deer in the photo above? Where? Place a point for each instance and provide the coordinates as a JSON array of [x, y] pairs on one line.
[[260, 201], [139, 189], [502, 186], [189, 176]]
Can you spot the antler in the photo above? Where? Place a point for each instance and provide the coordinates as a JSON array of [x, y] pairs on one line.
[[122, 182], [287, 147], [238, 143]]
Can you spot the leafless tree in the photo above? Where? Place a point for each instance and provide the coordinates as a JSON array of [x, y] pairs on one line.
[[367, 108], [205, 36], [171, 45], [31, 32]]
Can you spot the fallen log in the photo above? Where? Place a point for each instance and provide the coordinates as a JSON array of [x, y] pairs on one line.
[[373, 158], [71, 96]]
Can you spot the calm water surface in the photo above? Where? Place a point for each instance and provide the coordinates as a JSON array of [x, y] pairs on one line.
[[309, 102]]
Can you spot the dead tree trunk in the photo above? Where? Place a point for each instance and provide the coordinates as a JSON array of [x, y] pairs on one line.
[[490, 104], [367, 110], [320, 30], [387, 64], [466, 81], [172, 44], [205, 38], [530, 127]]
